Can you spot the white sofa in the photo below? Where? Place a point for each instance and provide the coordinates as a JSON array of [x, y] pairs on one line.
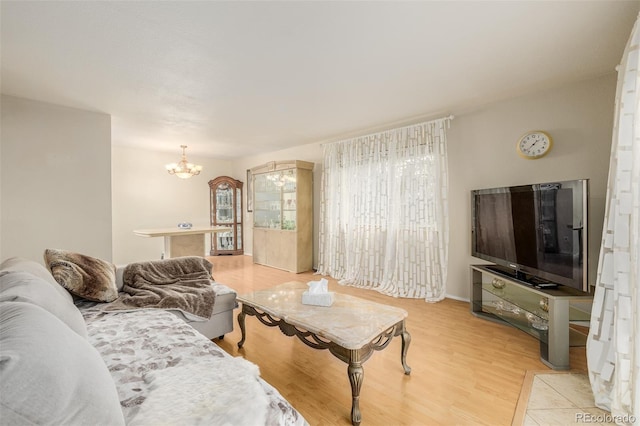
[[75, 364]]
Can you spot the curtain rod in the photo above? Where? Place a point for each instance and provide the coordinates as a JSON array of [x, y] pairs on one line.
[[447, 118]]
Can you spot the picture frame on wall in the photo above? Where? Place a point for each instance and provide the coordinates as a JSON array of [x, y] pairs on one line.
[[249, 191]]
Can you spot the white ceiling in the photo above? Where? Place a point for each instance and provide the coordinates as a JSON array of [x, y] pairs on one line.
[[234, 79]]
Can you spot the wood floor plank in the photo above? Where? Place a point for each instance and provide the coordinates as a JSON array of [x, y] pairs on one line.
[[465, 370]]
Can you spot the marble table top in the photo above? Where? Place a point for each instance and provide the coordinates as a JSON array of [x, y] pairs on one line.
[[170, 232], [350, 322]]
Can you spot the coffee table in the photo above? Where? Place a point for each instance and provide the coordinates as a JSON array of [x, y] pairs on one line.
[[351, 329]]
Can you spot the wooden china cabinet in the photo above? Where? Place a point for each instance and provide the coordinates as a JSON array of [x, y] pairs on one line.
[[226, 210]]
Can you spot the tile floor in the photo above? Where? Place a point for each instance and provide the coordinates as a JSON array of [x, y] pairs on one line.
[[562, 399]]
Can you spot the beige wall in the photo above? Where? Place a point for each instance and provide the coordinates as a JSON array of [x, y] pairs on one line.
[[146, 196], [56, 183], [481, 148]]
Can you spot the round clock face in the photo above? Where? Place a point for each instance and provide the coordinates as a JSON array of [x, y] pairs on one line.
[[534, 144]]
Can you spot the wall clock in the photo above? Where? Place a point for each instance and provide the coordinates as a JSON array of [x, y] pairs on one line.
[[534, 144]]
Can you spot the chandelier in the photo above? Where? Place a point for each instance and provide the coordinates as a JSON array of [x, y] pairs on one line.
[[183, 169]]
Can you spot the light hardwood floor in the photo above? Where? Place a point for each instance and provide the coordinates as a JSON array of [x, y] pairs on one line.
[[465, 371]]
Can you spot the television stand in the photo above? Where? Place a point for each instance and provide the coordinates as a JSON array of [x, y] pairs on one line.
[[542, 312]]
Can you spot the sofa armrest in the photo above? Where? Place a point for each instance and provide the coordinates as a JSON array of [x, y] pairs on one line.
[[119, 276]]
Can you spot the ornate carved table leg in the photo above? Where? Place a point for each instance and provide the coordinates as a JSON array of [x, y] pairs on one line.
[[406, 340], [241, 316], [356, 375]]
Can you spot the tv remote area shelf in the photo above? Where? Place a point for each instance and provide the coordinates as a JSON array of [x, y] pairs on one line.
[[544, 313]]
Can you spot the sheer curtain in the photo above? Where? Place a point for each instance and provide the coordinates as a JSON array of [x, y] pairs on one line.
[[613, 347], [383, 216]]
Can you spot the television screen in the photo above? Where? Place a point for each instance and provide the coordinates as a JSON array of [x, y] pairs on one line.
[[537, 233]]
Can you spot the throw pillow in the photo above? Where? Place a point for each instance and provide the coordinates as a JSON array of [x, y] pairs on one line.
[[85, 276], [49, 374], [26, 287], [25, 265]]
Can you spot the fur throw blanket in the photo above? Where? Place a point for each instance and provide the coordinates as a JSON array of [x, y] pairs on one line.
[[182, 283], [183, 395]]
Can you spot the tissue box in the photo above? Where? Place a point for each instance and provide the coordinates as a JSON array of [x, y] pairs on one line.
[[320, 299]]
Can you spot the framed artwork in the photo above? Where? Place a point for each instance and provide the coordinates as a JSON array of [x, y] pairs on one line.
[[249, 191]]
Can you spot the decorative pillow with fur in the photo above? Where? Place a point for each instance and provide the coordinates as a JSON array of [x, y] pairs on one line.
[[84, 276]]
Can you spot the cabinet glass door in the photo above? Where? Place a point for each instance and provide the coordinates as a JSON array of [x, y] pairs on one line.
[[289, 200], [224, 204], [266, 202], [224, 216], [275, 200]]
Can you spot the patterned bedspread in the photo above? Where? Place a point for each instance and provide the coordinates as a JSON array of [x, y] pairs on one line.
[[152, 354]]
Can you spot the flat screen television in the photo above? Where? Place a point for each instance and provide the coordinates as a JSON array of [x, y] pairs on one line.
[[535, 233]]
